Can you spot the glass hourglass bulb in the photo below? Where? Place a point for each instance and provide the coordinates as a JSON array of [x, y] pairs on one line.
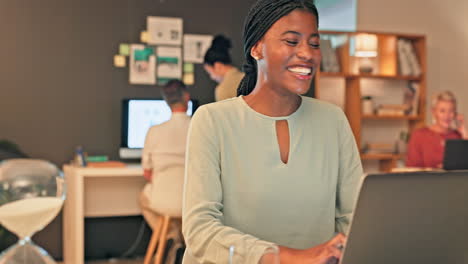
[[31, 195]]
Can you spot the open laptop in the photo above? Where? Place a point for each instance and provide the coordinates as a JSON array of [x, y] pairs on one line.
[[456, 154], [413, 218]]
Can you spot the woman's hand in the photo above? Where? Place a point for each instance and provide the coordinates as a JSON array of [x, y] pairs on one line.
[[327, 253], [461, 126]]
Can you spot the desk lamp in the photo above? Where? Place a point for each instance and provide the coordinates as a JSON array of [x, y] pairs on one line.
[[366, 48]]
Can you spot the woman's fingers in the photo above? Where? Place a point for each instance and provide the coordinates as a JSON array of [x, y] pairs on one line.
[[339, 241], [332, 260], [330, 255]]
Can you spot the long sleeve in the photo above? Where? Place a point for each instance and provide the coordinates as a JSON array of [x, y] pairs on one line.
[[349, 178], [146, 161], [208, 239], [414, 156]]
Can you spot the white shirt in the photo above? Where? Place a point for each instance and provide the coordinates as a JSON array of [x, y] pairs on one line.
[[164, 154]]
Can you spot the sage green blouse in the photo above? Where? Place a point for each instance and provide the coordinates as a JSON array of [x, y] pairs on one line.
[[239, 193]]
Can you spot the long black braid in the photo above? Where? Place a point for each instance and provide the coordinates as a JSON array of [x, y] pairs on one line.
[[262, 15]]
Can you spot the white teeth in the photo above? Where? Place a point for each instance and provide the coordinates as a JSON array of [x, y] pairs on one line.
[[300, 70]]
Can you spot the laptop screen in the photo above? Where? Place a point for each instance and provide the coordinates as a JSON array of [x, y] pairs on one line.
[[456, 154]]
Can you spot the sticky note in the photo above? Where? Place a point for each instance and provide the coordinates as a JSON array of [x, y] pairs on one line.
[[124, 49], [144, 36], [188, 68], [119, 61], [189, 78]]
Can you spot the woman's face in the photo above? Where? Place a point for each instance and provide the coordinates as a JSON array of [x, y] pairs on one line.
[[289, 53], [444, 113], [213, 71]]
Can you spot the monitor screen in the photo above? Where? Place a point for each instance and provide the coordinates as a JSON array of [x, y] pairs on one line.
[[140, 114]]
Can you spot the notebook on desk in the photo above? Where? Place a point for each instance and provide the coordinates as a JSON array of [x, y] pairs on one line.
[[414, 218], [456, 155]]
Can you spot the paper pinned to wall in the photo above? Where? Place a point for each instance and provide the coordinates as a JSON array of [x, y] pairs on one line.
[[164, 30], [195, 47], [142, 65], [169, 62]]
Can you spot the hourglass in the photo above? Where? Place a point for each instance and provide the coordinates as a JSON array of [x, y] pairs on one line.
[[31, 195]]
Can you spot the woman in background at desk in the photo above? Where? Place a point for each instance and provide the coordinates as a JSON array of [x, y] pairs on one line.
[[271, 168], [218, 65], [426, 145]]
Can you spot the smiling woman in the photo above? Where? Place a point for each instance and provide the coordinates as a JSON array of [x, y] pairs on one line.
[[271, 168], [426, 145]]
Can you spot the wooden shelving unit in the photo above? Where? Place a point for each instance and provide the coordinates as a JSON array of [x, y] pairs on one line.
[[387, 64], [387, 161], [375, 76], [390, 117]]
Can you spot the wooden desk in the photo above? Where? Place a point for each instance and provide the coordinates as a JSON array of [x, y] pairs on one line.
[[96, 192]]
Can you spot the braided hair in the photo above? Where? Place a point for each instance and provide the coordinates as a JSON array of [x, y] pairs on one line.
[[262, 15], [218, 51]]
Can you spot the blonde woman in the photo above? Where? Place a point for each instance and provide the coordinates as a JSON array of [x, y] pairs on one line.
[[426, 145]]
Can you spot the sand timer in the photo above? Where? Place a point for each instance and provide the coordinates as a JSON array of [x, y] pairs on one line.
[[31, 195]]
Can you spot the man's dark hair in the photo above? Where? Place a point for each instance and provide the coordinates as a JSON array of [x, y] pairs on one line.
[[262, 15], [173, 92]]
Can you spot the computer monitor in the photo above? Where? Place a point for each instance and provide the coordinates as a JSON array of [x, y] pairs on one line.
[[411, 217], [138, 115]]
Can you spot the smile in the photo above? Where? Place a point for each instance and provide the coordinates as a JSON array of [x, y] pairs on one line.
[[305, 71]]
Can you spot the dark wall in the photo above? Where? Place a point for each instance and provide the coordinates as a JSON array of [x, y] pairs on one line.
[[58, 86]]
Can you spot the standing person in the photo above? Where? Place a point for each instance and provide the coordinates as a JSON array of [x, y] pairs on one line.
[[426, 145], [271, 167], [218, 64], [163, 159]]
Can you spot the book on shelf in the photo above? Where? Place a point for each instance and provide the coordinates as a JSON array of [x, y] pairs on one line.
[[378, 148], [392, 110], [407, 59], [329, 57]]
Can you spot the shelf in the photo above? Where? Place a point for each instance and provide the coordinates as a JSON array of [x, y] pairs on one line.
[[390, 117], [385, 80], [332, 74], [388, 34], [376, 76], [381, 156], [380, 76]]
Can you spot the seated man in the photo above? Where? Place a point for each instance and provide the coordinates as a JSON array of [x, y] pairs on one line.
[[163, 159]]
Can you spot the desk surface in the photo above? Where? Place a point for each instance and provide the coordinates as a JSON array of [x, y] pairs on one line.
[[131, 170], [97, 192]]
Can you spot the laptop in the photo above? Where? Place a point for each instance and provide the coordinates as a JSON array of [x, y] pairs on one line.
[[456, 154], [410, 218]]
